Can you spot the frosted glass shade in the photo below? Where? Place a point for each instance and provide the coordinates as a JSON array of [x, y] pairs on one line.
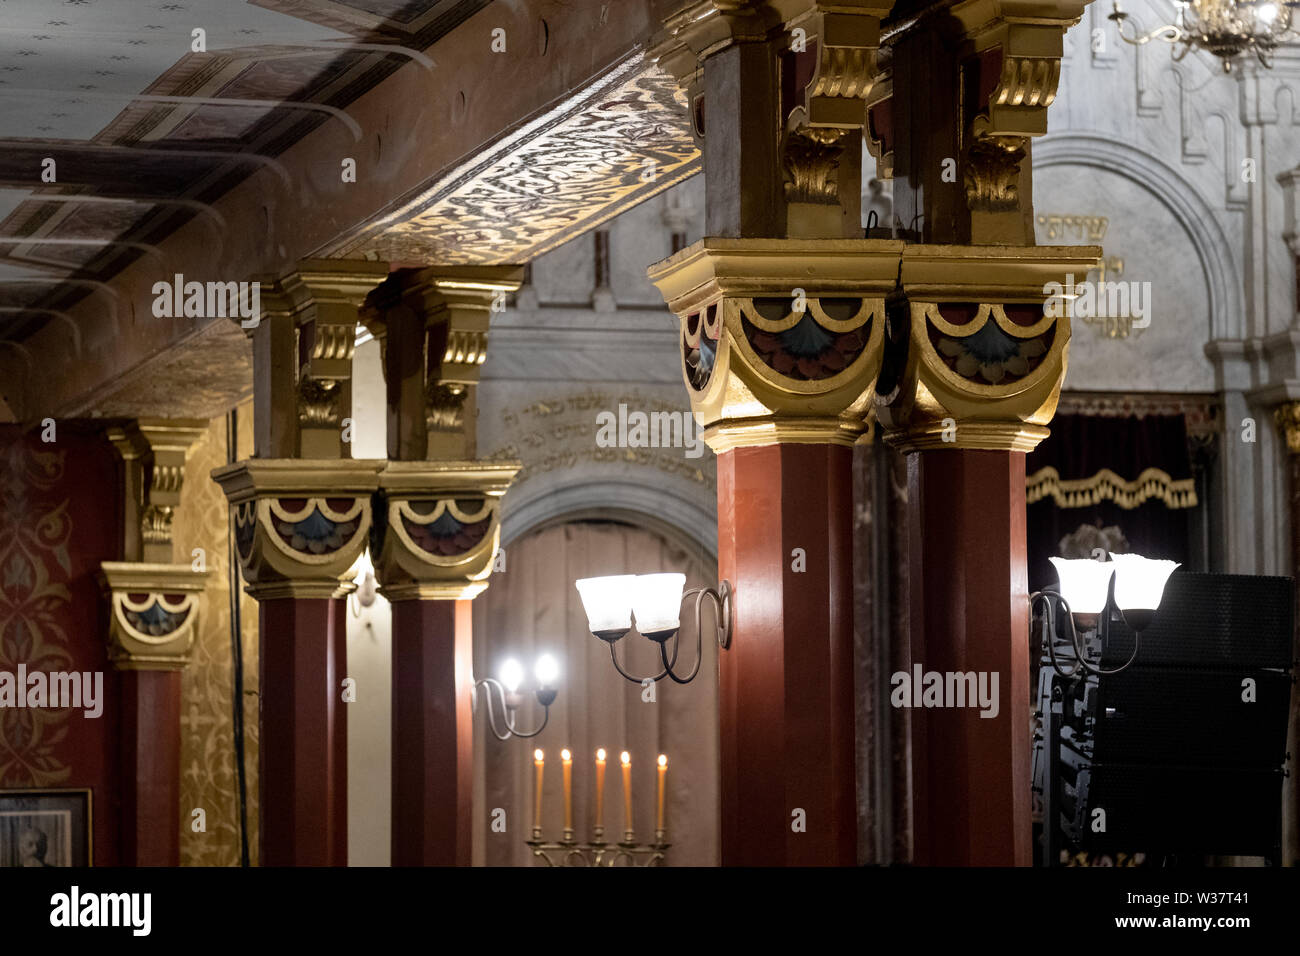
[[608, 602], [1084, 583], [1140, 582], [657, 602]]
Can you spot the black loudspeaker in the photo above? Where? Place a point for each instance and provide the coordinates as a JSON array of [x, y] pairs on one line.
[[1183, 751]]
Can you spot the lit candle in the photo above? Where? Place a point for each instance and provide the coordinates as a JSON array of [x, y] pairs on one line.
[[626, 759], [663, 772], [538, 762], [567, 758], [600, 792]]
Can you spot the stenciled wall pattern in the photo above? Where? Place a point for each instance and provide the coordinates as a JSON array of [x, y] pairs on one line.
[[208, 774]]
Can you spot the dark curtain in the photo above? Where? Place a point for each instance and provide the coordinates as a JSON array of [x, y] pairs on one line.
[[1145, 506]]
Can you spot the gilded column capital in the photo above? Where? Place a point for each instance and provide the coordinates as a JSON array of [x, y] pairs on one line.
[[1287, 417], [979, 344], [781, 339], [300, 524], [437, 527], [153, 613]]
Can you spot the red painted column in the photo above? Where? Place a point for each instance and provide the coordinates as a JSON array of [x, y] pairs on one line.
[[433, 738], [787, 722], [304, 759], [970, 774], [151, 764]]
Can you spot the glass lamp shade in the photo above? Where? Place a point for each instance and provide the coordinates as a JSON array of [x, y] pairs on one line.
[[1084, 583], [608, 603], [657, 604], [1140, 586]]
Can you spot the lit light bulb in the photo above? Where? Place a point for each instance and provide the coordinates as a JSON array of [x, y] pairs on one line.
[[663, 760], [547, 670], [600, 754], [625, 758], [512, 674]]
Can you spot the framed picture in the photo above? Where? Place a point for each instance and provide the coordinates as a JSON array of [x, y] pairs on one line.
[[45, 828]]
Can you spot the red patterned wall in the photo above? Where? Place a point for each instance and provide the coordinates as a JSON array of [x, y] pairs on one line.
[[59, 518]]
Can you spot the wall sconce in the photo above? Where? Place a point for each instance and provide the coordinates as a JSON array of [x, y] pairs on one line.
[[547, 673], [1091, 592], [656, 601]]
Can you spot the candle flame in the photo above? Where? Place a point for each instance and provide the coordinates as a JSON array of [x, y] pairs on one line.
[[565, 755], [600, 754], [538, 755], [663, 760], [626, 758]]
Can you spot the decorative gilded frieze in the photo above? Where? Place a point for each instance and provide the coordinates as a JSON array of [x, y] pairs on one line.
[[781, 338], [154, 613], [299, 523], [438, 526], [979, 345]]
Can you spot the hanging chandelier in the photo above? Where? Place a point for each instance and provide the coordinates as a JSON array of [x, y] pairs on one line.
[[1226, 28]]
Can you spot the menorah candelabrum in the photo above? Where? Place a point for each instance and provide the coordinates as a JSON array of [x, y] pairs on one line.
[[597, 851]]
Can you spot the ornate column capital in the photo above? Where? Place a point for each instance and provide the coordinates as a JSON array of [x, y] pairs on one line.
[[979, 345], [154, 613], [781, 338], [300, 524], [437, 527]]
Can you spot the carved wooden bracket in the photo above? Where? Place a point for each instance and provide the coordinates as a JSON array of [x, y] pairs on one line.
[[302, 356], [154, 452], [432, 325]]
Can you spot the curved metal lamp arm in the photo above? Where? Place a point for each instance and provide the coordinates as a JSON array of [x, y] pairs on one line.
[[1050, 599], [1169, 33], [613, 655], [721, 602], [511, 729]]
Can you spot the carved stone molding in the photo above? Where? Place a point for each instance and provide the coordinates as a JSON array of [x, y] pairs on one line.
[[302, 356], [781, 338], [437, 527], [300, 524], [153, 615], [977, 352]]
